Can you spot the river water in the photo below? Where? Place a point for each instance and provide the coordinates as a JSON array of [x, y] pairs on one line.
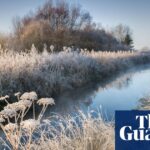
[[121, 92]]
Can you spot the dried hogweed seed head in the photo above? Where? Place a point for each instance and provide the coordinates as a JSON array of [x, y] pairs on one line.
[[7, 96], [17, 94], [17, 106], [29, 124], [29, 96], [46, 101], [8, 113], [11, 127], [2, 120], [3, 98], [25, 103]]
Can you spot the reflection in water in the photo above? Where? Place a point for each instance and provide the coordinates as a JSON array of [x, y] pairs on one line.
[[119, 83], [70, 102], [81, 99], [120, 93]]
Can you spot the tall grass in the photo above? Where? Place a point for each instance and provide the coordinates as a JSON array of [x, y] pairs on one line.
[[49, 73], [82, 132]]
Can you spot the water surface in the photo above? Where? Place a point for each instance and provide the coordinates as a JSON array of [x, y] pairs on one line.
[[122, 92]]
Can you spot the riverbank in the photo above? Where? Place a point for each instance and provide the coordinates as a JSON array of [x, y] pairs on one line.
[[81, 132], [51, 73]]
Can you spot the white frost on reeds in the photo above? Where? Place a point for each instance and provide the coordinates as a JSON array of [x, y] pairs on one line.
[[49, 72]]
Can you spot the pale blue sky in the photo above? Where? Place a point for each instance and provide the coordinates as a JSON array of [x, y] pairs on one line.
[[135, 13]]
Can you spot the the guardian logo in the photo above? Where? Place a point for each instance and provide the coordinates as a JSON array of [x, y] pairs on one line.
[[132, 130], [142, 133]]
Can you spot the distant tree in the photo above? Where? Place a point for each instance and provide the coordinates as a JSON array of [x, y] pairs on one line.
[[128, 40], [63, 16], [60, 24], [123, 34]]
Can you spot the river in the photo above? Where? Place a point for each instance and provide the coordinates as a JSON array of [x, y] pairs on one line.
[[121, 92]]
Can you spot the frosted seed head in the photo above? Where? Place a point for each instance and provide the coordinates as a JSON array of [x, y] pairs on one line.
[[10, 127], [7, 96], [25, 103], [29, 124], [17, 106], [46, 101], [29, 96], [17, 94], [2, 120], [2, 98], [8, 113]]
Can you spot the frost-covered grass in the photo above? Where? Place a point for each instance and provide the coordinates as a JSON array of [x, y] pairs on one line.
[[82, 132], [49, 73]]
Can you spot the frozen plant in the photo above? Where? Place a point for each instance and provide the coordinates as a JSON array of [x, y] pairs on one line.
[[17, 95], [19, 128], [45, 102], [52, 48], [32, 96], [54, 72]]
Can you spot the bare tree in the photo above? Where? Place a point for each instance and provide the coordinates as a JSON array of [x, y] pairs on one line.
[[60, 23], [121, 31]]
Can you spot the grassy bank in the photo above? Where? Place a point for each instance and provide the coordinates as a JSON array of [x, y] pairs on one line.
[[49, 73], [82, 132]]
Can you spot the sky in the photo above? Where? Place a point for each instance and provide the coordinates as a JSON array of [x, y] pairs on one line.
[[109, 13]]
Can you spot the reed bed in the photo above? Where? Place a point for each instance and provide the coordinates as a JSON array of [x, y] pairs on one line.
[[51, 73], [82, 132]]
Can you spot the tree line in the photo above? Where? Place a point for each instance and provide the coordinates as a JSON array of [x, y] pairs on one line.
[[63, 24]]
